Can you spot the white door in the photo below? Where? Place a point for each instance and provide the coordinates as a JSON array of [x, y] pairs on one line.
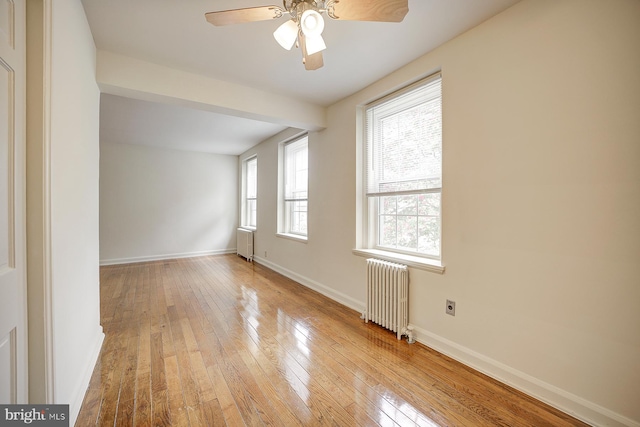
[[13, 357]]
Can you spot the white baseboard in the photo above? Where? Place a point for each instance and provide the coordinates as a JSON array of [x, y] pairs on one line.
[[133, 260], [80, 391], [568, 403], [343, 299]]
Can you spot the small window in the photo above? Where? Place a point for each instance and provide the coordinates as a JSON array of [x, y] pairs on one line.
[[403, 180], [295, 191], [250, 193]]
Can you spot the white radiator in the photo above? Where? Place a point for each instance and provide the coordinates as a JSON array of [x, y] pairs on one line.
[[388, 296], [245, 243]]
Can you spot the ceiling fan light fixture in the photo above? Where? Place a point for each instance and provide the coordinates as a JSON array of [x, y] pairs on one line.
[[311, 23], [286, 34], [315, 44]]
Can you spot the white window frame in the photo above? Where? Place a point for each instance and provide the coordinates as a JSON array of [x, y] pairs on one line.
[[245, 212], [288, 198], [368, 240]]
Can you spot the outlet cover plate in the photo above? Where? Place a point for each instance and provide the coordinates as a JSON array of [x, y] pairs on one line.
[[451, 307]]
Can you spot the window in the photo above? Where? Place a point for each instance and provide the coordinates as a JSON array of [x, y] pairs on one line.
[[403, 180], [250, 192], [295, 180]]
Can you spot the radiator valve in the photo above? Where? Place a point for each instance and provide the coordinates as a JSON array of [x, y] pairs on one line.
[[410, 337]]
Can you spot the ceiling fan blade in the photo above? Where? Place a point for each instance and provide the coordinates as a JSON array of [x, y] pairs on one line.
[[238, 16], [311, 62], [369, 10]]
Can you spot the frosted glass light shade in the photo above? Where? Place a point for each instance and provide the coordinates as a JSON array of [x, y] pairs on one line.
[[311, 23], [286, 34], [315, 44]]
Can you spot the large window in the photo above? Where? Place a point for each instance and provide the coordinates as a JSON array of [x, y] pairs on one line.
[[404, 170], [250, 192], [295, 180]]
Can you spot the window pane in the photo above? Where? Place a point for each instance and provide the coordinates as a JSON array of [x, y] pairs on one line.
[[429, 204], [297, 215], [388, 205], [408, 205], [429, 240], [251, 209], [387, 235], [296, 169], [408, 233], [252, 178], [410, 148]]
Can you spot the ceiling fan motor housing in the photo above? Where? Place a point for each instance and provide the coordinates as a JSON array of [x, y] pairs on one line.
[[297, 7]]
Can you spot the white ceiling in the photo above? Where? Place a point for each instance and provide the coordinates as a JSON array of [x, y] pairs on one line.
[[175, 34]]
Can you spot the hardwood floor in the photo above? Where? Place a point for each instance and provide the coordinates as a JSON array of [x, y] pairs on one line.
[[216, 341]]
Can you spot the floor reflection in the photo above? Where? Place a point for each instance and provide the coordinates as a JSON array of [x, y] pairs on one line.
[[401, 410], [296, 367], [250, 312]]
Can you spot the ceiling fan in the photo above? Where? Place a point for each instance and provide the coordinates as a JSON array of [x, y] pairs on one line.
[[306, 24]]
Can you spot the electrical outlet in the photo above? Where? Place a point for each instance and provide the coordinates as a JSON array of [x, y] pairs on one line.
[[451, 307], [265, 254]]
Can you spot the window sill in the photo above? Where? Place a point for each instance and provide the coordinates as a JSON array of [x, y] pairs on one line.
[[426, 264], [247, 227], [294, 237]]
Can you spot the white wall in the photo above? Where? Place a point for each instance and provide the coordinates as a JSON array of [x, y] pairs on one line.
[[159, 203], [541, 204], [75, 97]]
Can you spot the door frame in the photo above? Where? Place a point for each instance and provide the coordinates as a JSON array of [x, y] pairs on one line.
[[38, 203]]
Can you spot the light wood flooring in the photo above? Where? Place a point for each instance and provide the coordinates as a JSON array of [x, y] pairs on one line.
[[215, 341]]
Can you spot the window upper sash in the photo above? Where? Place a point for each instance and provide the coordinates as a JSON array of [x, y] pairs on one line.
[[404, 140]]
